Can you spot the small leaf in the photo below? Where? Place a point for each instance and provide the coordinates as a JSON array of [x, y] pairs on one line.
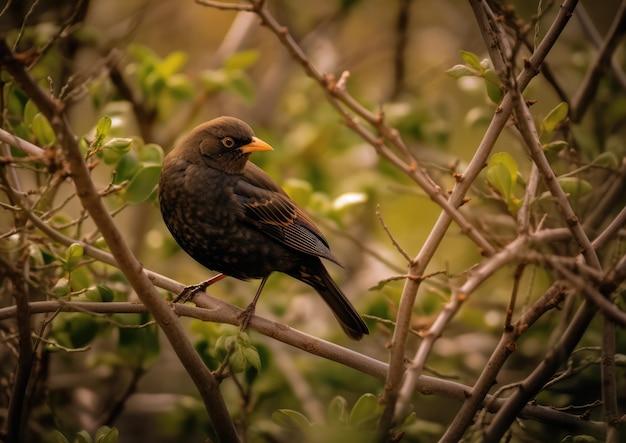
[[61, 288], [500, 178], [100, 293], [180, 87], [472, 60], [106, 293], [289, 419], [102, 130], [115, 148], [554, 146], [242, 60], [492, 83], [73, 255], [119, 144], [172, 64], [337, 411], [30, 111], [42, 130], [607, 159], [366, 411], [458, 71], [142, 185], [82, 330], [508, 161], [126, 168], [554, 117], [106, 434], [252, 358], [575, 187], [151, 153], [82, 437]]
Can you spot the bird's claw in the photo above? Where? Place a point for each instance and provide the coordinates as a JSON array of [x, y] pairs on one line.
[[189, 292], [246, 315]]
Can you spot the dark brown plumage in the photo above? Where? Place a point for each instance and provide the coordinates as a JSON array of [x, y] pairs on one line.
[[231, 217]]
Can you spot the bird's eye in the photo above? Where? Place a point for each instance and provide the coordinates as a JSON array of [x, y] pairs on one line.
[[228, 142]]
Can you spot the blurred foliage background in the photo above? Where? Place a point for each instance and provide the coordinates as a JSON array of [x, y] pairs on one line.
[[156, 69]]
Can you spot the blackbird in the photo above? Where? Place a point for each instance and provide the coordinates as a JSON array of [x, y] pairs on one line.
[[231, 217]]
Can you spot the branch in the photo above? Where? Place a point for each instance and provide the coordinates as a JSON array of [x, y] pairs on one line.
[[461, 187], [54, 110], [601, 64], [426, 386]]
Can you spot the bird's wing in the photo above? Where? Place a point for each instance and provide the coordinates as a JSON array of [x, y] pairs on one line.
[[268, 208]]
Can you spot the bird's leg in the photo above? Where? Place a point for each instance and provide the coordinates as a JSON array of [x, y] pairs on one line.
[[248, 313], [188, 292]]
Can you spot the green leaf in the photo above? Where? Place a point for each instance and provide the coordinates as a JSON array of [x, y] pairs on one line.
[[126, 168], [290, 419], [554, 117], [82, 329], [245, 355], [119, 144], [554, 146], [241, 60], [500, 178], [172, 64], [607, 159], [106, 434], [252, 358], [575, 187], [458, 71], [73, 255], [100, 293], [61, 288], [472, 60], [106, 293], [180, 87], [42, 130], [366, 411], [137, 346], [214, 80], [492, 83], [82, 437], [115, 148], [142, 185], [102, 130], [337, 411], [151, 153], [30, 111]]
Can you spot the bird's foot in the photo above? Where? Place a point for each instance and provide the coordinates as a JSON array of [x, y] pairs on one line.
[[245, 316], [190, 291]]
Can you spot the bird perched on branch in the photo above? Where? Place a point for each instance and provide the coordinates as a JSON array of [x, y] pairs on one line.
[[231, 217]]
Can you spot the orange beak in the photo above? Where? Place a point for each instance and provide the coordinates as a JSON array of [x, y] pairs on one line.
[[256, 145]]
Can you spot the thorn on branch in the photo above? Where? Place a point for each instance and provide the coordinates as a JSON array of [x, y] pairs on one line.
[[343, 80]]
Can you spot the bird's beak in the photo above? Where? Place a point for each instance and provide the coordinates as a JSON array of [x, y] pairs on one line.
[[256, 145]]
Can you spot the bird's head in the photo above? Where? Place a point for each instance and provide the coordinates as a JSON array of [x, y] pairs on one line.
[[225, 143]]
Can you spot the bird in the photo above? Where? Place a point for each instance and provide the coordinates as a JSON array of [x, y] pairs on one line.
[[232, 218]]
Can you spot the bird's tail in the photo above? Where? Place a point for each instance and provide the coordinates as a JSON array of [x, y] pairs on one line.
[[348, 318]]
